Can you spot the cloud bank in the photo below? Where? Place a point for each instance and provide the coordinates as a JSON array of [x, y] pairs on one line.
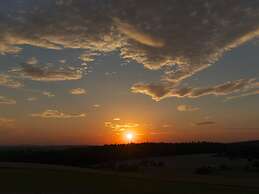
[[181, 37]]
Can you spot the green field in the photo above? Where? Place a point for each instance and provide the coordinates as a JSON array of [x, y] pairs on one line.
[[48, 179]]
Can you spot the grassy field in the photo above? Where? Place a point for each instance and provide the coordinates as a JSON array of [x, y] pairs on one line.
[[34, 179]]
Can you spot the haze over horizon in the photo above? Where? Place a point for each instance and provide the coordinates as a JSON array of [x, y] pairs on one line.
[[104, 72]]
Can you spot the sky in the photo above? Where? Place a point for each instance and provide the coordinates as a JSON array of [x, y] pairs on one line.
[[92, 71]]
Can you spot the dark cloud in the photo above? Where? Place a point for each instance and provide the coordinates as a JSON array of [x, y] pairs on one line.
[[45, 73]]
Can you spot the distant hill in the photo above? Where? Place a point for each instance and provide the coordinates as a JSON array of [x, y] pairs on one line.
[[253, 143], [86, 156]]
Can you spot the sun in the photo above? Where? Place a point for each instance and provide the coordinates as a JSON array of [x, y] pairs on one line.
[[129, 136]]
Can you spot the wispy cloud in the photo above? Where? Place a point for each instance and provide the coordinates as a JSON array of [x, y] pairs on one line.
[[205, 123], [48, 94], [8, 81], [96, 106], [78, 91], [250, 93], [55, 114], [8, 101], [6, 122], [88, 56], [120, 126], [32, 61], [30, 99], [110, 73], [167, 125], [187, 108]]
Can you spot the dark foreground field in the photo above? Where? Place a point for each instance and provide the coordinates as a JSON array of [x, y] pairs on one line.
[[193, 168], [34, 179]]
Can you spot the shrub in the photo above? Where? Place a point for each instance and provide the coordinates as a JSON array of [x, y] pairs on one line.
[[256, 164], [128, 167], [160, 164], [224, 167], [204, 170]]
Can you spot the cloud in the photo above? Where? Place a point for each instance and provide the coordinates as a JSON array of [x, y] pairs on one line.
[[187, 108], [136, 34], [119, 126], [185, 37], [32, 61], [110, 73], [88, 56], [251, 93], [96, 106], [55, 114], [63, 61], [46, 74], [7, 81], [30, 99], [78, 91], [6, 122], [225, 88], [205, 123], [156, 91], [5, 100], [167, 125], [48, 94], [161, 91]]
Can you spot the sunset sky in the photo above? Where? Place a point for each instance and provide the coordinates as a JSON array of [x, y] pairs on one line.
[[92, 71]]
